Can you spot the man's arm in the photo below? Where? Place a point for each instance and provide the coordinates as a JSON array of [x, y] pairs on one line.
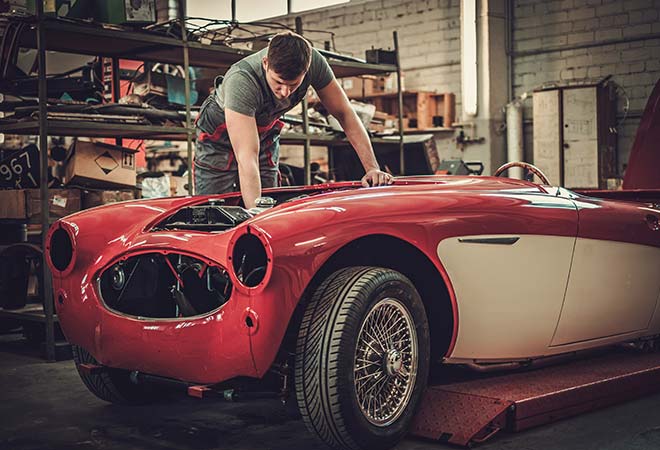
[[244, 139], [334, 99]]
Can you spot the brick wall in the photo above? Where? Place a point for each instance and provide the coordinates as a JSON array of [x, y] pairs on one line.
[[564, 40], [429, 32], [429, 41]]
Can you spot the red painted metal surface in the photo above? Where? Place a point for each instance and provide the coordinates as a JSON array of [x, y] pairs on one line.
[[300, 236], [458, 418], [643, 171], [631, 195], [199, 391], [462, 412], [90, 369], [618, 221]]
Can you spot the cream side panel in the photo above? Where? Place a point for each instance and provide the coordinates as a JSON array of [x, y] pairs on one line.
[[654, 326], [509, 296], [613, 290]]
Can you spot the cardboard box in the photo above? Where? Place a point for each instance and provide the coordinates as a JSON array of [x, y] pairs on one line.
[[371, 86], [90, 199], [364, 86], [95, 164], [25, 204], [353, 86], [390, 84]]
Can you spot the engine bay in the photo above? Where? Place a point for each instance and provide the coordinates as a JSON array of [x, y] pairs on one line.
[[208, 217], [157, 285], [223, 214]]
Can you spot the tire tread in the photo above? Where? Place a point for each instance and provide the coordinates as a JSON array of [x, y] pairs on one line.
[[331, 311]]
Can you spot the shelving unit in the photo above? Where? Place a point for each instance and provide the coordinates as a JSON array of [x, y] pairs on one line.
[[98, 129], [87, 39], [111, 42], [420, 106], [60, 35], [323, 140]]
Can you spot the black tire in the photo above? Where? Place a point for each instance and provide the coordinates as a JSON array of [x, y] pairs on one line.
[[111, 385], [326, 356]]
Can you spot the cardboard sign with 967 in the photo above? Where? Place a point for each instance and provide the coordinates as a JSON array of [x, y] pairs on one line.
[[20, 170]]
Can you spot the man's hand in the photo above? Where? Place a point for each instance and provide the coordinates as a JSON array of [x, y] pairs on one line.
[[375, 177]]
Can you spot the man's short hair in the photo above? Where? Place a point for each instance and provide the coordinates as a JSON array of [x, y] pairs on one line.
[[289, 55]]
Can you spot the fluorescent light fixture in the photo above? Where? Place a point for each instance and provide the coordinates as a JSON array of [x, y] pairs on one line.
[[469, 57]]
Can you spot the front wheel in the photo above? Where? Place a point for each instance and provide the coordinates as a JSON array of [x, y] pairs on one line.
[[362, 358]]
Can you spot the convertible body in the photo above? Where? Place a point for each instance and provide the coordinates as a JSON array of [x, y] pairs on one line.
[[529, 271], [348, 293]]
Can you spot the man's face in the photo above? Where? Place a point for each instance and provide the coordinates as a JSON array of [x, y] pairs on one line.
[[281, 88]]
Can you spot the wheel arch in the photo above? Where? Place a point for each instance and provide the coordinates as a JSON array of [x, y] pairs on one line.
[[381, 250]]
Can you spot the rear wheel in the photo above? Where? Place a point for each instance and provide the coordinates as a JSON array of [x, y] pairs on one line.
[[362, 358], [111, 385]]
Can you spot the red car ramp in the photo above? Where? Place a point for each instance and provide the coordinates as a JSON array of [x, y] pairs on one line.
[[467, 411]]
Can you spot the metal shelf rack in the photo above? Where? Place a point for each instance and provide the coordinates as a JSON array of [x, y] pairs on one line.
[[49, 34]]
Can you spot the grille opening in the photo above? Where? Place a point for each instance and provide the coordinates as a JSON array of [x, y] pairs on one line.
[[61, 249], [250, 260], [155, 285]]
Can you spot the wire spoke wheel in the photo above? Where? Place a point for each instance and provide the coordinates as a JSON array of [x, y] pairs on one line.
[[385, 362], [362, 358]]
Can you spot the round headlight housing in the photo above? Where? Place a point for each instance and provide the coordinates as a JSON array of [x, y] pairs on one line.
[[60, 249], [250, 257]]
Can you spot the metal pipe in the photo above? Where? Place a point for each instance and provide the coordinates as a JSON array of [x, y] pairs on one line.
[[484, 368], [560, 124], [509, 49], [514, 137], [527, 363], [43, 181], [305, 120], [186, 79], [402, 162], [116, 87], [172, 9]]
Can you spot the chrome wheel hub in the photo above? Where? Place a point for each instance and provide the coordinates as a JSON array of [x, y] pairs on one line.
[[385, 366], [393, 362]]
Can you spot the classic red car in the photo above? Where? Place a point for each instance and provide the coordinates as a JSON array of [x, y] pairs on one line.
[[347, 294]]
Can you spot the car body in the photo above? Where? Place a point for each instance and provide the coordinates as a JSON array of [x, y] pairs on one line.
[[508, 271], [548, 285], [356, 288]]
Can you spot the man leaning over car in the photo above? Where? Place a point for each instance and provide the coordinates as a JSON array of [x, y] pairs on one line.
[[238, 127]]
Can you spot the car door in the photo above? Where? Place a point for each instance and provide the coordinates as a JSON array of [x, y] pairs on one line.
[[508, 266], [615, 275]]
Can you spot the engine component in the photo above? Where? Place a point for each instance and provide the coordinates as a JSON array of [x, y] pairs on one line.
[[155, 285], [211, 217]]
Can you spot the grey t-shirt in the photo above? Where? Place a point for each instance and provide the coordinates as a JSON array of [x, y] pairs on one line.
[[245, 90]]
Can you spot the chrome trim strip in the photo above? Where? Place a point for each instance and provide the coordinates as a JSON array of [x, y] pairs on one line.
[[494, 240]]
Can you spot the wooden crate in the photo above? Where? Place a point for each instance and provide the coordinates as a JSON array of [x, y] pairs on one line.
[[419, 108]]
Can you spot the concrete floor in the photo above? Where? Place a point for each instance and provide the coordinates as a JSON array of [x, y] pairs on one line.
[[45, 406]]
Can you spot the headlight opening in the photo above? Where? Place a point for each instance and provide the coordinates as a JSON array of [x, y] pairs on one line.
[[60, 250], [250, 260]]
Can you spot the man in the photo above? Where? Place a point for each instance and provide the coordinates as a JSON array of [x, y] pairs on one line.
[[238, 128]]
